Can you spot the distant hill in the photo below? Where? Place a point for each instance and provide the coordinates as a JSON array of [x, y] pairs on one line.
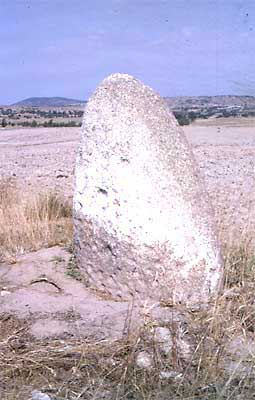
[[48, 102], [173, 102]]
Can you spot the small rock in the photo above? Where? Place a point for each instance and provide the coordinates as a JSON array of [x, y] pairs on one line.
[[231, 293], [184, 348], [37, 395], [4, 292], [238, 361], [144, 360], [164, 339], [170, 375]]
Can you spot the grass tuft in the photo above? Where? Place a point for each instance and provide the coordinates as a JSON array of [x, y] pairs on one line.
[[31, 221]]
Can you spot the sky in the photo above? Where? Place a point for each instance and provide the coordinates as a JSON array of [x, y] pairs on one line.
[[178, 47]]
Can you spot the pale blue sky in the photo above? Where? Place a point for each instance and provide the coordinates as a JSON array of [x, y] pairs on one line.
[[178, 47]]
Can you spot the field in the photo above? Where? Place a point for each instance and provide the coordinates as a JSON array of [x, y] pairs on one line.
[[43, 159], [63, 339]]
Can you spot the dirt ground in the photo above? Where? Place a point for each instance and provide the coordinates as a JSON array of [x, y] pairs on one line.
[[38, 290], [43, 159], [39, 159], [225, 149], [39, 300]]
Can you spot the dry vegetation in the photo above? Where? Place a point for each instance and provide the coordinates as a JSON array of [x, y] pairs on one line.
[[72, 369], [31, 221]]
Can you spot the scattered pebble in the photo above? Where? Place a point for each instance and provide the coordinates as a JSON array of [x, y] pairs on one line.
[[163, 337], [37, 395], [170, 375], [144, 360], [4, 292]]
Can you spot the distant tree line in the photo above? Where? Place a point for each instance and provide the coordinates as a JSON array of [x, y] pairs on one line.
[[35, 117], [186, 116], [10, 112], [4, 123], [60, 124], [45, 124]]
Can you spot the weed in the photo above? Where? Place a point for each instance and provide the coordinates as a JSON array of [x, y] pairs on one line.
[[31, 221], [239, 267], [57, 259], [73, 270]]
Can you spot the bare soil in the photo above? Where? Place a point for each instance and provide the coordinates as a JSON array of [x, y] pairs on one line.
[[43, 159], [225, 150], [39, 298], [38, 289]]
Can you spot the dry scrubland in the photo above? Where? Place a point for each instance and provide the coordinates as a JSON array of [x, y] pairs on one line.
[[36, 169]]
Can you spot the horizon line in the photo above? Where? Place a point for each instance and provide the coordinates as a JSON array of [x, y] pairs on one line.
[[164, 97]]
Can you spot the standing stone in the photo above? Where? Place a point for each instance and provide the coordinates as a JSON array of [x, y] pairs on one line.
[[143, 221]]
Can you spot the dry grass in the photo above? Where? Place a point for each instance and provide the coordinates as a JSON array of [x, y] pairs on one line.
[[31, 221], [79, 369]]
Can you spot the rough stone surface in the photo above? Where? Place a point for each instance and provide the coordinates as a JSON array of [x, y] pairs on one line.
[[184, 347], [164, 338], [144, 360], [37, 395], [175, 375], [143, 223], [239, 357]]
